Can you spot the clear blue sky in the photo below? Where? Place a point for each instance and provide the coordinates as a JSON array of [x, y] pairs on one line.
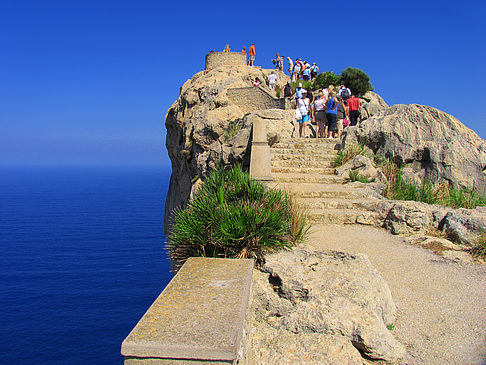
[[90, 82]]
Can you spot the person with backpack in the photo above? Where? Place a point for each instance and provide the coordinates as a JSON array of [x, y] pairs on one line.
[[331, 114], [344, 93]]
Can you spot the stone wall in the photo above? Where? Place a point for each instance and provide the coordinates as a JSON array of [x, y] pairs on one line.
[[215, 59], [254, 98]]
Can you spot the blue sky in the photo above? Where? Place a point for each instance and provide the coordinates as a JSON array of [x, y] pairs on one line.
[[89, 83]]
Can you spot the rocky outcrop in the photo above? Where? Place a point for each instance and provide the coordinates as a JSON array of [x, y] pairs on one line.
[[363, 166], [434, 144], [206, 127], [372, 105], [325, 307], [465, 225]]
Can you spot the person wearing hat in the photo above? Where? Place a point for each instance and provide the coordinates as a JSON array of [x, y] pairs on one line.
[[303, 108], [299, 91]]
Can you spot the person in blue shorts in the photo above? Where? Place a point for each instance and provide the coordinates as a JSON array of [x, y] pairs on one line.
[[303, 106]]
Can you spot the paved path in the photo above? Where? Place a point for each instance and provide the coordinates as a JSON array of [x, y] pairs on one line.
[[441, 304]]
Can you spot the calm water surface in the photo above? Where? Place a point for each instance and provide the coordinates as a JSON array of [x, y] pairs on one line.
[[82, 259]]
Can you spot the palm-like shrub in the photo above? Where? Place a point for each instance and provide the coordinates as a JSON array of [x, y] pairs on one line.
[[357, 80], [232, 215]]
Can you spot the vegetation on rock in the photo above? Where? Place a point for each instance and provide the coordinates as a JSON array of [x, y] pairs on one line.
[[233, 215], [357, 80], [347, 154], [397, 188], [324, 79], [479, 250]]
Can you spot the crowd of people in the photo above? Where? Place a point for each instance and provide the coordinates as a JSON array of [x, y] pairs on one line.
[[330, 112], [323, 116]]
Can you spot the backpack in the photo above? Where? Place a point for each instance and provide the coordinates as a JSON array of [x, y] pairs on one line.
[[345, 94]]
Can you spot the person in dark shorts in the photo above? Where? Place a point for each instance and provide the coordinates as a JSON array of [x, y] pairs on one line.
[[319, 115], [331, 114], [354, 106]]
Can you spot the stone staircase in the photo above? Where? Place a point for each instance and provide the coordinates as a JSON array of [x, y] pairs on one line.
[[304, 168]]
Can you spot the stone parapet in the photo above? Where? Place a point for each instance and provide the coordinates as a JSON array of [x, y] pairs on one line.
[[215, 59], [199, 318], [253, 98]]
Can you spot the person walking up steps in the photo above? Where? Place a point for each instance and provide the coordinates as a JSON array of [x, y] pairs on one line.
[[354, 106], [319, 115], [303, 109], [251, 55], [331, 114]]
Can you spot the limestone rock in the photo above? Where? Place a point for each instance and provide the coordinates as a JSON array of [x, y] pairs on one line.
[[206, 127], [362, 164], [372, 105], [427, 140], [406, 219], [333, 304], [465, 225]]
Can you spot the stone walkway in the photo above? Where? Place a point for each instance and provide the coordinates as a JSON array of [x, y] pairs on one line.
[[441, 303]]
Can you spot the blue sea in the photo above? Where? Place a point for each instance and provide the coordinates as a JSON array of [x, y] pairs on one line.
[[82, 258]]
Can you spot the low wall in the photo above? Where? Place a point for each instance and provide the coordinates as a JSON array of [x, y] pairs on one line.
[[215, 59], [254, 98], [199, 318]]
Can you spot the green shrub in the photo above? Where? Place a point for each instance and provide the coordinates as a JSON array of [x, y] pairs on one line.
[[232, 215], [233, 128], [479, 249], [305, 84], [324, 79], [349, 153], [354, 176], [443, 194], [356, 80]]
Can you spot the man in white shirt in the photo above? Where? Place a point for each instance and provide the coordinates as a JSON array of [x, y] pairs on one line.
[[272, 81]]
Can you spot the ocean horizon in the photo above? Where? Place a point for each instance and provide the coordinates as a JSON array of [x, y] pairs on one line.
[[83, 258]]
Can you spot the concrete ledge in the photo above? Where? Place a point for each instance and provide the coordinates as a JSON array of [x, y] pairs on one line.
[[199, 318]]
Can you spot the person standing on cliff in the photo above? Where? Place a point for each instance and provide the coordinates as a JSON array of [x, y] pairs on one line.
[[291, 66], [251, 55]]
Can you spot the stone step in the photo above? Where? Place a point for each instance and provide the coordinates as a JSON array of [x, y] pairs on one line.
[[309, 141], [303, 164], [312, 190], [302, 156], [341, 216], [304, 170], [309, 178], [332, 203], [324, 149]]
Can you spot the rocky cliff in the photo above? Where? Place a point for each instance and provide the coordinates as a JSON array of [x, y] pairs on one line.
[[435, 145], [210, 123]]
